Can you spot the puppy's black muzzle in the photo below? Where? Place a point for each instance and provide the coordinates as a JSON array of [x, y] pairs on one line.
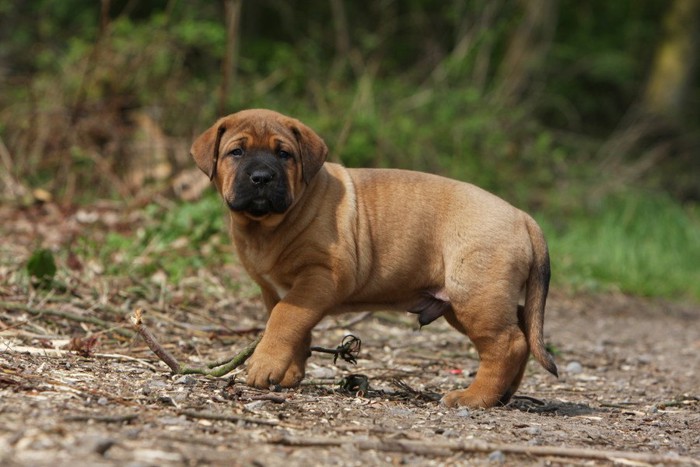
[[260, 177], [260, 186]]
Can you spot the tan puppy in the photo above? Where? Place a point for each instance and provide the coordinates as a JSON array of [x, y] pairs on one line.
[[319, 238]]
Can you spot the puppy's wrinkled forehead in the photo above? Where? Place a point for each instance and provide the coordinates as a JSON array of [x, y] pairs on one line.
[[263, 129], [259, 127]]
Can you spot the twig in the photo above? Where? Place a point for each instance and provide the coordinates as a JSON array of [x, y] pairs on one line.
[[232, 12], [269, 397], [216, 369], [318, 382], [426, 396], [440, 448], [111, 327], [619, 405], [45, 382], [152, 343], [227, 417], [529, 399], [101, 418], [348, 350], [226, 368], [351, 322], [48, 352]]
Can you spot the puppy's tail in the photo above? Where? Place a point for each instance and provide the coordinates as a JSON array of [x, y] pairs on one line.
[[532, 317]]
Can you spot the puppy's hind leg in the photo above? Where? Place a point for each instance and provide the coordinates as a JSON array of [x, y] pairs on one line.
[[519, 376], [490, 321]]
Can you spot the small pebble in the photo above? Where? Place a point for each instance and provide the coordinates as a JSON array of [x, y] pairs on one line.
[[96, 443], [102, 446], [462, 413], [181, 396], [252, 406], [322, 373], [497, 457], [645, 359], [132, 433], [156, 383], [574, 368], [167, 400], [400, 412], [181, 420], [102, 401], [187, 380]]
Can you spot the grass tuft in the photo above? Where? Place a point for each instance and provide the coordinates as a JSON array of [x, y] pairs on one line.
[[175, 240], [640, 244]]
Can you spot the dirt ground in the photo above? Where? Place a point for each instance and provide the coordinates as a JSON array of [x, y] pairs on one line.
[[76, 393]]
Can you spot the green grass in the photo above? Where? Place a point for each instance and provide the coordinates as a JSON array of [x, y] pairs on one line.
[[641, 244], [175, 240]]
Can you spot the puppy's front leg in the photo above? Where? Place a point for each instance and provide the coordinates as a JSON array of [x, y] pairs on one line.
[[280, 357]]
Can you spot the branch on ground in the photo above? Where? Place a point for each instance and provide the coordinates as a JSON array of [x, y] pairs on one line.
[[218, 369], [474, 446]]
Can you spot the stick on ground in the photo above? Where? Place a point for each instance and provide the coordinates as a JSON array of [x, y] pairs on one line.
[[441, 448], [109, 326], [217, 369]]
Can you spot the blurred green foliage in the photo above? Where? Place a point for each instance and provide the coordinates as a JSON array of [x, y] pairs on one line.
[[643, 243], [175, 240], [41, 267]]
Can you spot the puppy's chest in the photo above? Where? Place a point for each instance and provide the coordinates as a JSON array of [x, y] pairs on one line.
[[262, 263], [279, 287]]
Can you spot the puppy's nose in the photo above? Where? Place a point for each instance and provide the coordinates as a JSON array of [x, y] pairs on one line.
[[261, 177]]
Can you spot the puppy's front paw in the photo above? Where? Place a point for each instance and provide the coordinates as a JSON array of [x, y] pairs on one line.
[[267, 368], [468, 398]]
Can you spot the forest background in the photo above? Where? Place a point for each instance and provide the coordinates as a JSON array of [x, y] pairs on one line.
[[586, 114]]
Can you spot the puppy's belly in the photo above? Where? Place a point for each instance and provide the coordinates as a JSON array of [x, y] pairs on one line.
[[429, 305]]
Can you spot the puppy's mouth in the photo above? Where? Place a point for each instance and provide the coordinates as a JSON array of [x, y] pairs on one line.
[[257, 207]]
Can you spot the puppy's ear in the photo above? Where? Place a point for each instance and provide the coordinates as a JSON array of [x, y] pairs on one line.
[[313, 150], [205, 149]]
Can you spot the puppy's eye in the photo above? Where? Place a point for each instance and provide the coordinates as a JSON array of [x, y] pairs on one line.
[[238, 152], [284, 155]]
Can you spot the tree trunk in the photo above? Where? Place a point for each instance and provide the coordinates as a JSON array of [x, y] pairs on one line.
[[528, 47], [666, 92], [232, 13], [653, 143]]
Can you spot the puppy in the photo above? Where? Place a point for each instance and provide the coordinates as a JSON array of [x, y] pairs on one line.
[[319, 238]]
